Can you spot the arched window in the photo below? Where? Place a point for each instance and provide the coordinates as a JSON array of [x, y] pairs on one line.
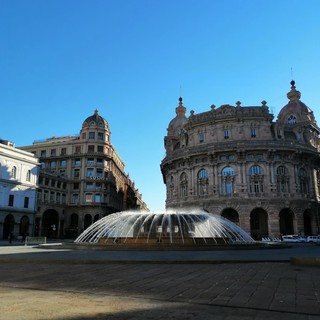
[[28, 177], [14, 172], [292, 119], [303, 181], [282, 179], [183, 185], [255, 179], [203, 182], [227, 180]]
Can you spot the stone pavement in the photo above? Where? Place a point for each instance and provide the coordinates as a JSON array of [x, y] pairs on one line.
[[78, 285]]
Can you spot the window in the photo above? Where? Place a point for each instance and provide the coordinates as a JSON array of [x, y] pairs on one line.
[[97, 197], [90, 161], [11, 200], [26, 202], [99, 173], [75, 198], [63, 163], [53, 164], [256, 182], [98, 186], [100, 148], [53, 183], [201, 137], [51, 196], [91, 135], [43, 153], [99, 161], [253, 132], [14, 172], [83, 135], [63, 151], [28, 177], [226, 134], [282, 179], [62, 172], [89, 172], [100, 136], [58, 197], [77, 149], [76, 173], [183, 185], [227, 180], [291, 119], [91, 148], [77, 162], [53, 152], [89, 185], [303, 181], [89, 197], [76, 186], [203, 182]]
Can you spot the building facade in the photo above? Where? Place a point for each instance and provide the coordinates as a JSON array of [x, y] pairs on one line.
[[18, 182], [238, 162], [82, 178]]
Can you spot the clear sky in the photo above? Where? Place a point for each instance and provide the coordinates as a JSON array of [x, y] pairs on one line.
[[132, 59]]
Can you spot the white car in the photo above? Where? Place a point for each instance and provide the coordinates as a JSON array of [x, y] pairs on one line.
[[293, 238], [313, 239]]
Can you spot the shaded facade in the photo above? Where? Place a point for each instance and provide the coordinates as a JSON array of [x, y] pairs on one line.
[[238, 162], [82, 178]]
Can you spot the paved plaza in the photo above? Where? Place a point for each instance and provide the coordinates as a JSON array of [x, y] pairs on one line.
[[92, 284]]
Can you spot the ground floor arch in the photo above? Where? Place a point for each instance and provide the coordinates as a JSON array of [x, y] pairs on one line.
[[231, 214], [8, 226], [286, 218], [87, 221], [50, 224], [259, 224], [307, 222], [24, 226]]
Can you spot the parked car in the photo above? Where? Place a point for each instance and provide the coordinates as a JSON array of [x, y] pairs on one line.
[[313, 239], [293, 238]]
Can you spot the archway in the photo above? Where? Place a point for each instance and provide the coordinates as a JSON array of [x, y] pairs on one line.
[[50, 223], [286, 218], [259, 224], [24, 226], [96, 218], [231, 215], [72, 231], [8, 226], [307, 222], [87, 221]]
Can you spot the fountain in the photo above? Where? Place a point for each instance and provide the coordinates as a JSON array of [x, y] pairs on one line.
[[164, 229]]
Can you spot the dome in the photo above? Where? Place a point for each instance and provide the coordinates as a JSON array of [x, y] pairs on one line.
[[95, 121], [295, 110], [179, 121]]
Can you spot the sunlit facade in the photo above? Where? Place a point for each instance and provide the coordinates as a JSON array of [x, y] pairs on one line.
[[18, 185], [238, 162]]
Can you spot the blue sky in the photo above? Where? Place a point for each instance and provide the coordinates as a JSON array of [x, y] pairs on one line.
[[132, 59]]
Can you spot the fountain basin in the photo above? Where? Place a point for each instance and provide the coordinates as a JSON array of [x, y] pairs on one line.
[[170, 229]]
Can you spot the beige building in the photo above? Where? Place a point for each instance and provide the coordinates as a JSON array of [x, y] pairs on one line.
[[238, 162], [82, 178]]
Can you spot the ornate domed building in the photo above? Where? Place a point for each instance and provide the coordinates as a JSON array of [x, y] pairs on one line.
[[238, 162], [82, 179]]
